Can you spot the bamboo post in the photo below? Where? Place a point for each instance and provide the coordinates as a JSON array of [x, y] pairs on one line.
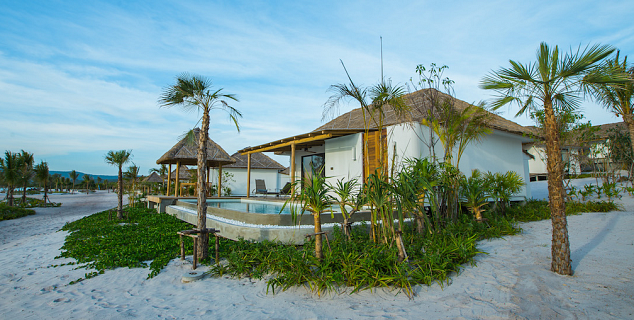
[[248, 175], [293, 168], [177, 190], [219, 179], [169, 180], [182, 247], [217, 248], [195, 252]]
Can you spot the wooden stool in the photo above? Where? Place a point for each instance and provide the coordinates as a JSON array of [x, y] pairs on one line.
[[194, 233]]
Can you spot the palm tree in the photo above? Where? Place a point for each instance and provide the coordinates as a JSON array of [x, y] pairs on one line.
[[87, 180], [620, 99], [26, 171], [119, 158], [42, 175], [374, 102], [314, 198], [194, 92], [132, 175], [99, 183], [10, 166], [553, 83], [73, 176], [56, 178]]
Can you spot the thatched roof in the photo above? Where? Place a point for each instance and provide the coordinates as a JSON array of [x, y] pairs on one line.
[[258, 161], [604, 130], [183, 173], [153, 177], [420, 104], [186, 154]]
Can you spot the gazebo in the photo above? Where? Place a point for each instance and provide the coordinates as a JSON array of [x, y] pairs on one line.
[[153, 178], [184, 153]]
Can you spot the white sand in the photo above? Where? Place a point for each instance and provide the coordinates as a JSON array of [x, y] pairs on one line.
[[512, 281]]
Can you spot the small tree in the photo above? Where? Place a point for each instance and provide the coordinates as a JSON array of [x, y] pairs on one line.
[[73, 176], [26, 172], [87, 180], [119, 158], [474, 193], [314, 198], [10, 166], [42, 175]]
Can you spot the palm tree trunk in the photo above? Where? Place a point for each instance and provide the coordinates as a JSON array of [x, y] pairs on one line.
[[10, 195], [318, 241], [629, 121], [203, 238], [119, 194], [24, 192], [560, 248]]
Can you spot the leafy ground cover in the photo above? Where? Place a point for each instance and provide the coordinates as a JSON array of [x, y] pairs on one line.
[[98, 243], [8, 213]]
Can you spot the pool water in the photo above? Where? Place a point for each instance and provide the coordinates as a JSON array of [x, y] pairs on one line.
[[250, 206]]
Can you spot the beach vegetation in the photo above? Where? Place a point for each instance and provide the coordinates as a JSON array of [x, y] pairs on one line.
[[10, 166], [118, 158], [26, 171], [192, 92], [554, 82], [73, 175], [13, 212], [98, 243]]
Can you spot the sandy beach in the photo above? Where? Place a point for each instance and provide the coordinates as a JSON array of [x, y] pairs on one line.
[[512, 281]]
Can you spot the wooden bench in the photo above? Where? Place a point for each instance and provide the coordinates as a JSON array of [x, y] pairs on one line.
[[194, 233]]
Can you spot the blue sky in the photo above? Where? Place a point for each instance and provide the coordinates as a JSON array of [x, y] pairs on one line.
[[79, 78]]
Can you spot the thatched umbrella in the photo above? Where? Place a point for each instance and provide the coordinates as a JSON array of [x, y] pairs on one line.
[[184, 153], [153, 178]]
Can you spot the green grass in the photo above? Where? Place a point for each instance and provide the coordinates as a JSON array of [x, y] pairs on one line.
[[8, 213], [535, 210], [100, 244]]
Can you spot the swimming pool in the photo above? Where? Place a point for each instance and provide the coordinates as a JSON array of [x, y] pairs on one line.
[[243, 205]]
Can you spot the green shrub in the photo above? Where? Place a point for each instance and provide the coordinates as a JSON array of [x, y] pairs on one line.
[[535, 210], [8, 213]]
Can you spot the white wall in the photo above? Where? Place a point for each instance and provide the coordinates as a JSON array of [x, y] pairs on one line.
[[344, 158]]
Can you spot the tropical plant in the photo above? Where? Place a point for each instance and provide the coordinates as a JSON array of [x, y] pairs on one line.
[[132, 175], [119, 158], [474, 193], [87, 180], [195, 92], [502, 186], [349, 196], [73, 175], [57, 179], [26, 171], [619, 99], [10, 166], [42, 175], [552, 83], [314, 198], [414, 186], [374, 101]]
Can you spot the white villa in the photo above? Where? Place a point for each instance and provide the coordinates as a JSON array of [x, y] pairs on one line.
[[338, 145]]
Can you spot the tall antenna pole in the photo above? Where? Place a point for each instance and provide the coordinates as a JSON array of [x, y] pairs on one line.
[[381, 37]]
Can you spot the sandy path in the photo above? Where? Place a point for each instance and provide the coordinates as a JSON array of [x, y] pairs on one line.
[[512, 282]]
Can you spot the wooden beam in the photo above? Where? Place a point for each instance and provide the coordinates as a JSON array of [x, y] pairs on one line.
[[207, 185], [177, 190], [219, 179], [169, 179], [248, 175], [289, 143], [292, 168]]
